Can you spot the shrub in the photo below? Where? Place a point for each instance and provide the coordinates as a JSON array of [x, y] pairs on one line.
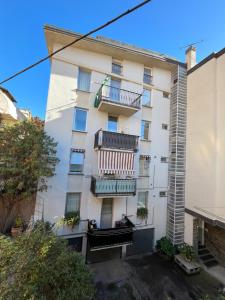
[[165, 246], [39, 265], [187, 251], [71, 218], [142, 213]]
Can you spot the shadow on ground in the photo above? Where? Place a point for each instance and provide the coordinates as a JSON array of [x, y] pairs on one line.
[[154, 278]]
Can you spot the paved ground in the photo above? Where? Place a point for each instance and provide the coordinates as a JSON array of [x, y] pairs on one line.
[[154, 278]]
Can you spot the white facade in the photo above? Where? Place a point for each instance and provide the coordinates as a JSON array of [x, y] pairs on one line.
[[96, 56]]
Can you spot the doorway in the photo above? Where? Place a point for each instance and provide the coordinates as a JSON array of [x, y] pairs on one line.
[[106, 213]]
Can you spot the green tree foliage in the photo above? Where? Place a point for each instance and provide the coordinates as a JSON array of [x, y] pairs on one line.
[[39, 265], [165, 246], [27, 159]]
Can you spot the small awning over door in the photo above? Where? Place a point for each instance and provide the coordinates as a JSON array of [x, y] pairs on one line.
[[115, 162]]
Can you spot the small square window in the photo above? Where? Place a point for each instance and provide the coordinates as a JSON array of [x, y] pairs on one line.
[[77, 161], [117, 67], [162, 194], [80, 119], [147, 77], [145, 128], [164, 159], [166, 95], [165, 126], [72, 202]]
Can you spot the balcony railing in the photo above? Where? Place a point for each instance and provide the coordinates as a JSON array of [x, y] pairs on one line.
[[118, 96], [114, 187], [114, 140], [111, 237]]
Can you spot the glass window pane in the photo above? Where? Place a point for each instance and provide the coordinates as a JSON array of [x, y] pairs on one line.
[[76, 162], [80, 119], [72, 202], [116, 68], [146, 98], [112, 124], [144, 130], [84, 80], [144, 166], [142, 199]]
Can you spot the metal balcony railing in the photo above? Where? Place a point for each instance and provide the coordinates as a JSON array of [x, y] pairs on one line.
[[116, 187], [99, 238], [114, 140], [118, 96]]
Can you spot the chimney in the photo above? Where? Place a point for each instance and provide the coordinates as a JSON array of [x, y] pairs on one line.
[[190, 57]]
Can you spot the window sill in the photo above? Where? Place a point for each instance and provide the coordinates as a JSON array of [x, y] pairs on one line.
[[145, 176], [82, 91], [73, 173], [148, 141], [80, 131], [147, 106]]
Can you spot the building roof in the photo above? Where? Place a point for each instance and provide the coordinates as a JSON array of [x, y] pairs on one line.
[[205, 60], [107, 43], [8, 94]]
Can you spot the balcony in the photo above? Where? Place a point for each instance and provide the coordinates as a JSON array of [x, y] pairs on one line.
[[114, 140], [117, 101], [122, 234], [101, 187]]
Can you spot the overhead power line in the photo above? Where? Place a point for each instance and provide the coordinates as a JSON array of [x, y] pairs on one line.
[[76, 40]]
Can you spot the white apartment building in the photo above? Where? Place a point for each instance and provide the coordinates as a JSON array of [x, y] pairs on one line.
[[114, 109]]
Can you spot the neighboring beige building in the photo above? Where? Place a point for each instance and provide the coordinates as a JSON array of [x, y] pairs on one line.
[[9, 113], [205, 157], [113, 109]]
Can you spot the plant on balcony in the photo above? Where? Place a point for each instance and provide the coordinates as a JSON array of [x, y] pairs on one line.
[[187, 252], [71, 218], [165, 246], [142, 213]]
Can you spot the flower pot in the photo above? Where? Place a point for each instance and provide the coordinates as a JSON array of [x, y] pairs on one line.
[[16, 231]]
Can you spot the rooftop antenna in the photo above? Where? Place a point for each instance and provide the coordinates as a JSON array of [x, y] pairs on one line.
[[192, 44]]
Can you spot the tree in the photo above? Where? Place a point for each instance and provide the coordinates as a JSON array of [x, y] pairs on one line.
[[27, 159], [39, 265]]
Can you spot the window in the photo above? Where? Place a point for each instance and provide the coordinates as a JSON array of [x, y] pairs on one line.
[[165, 126], [112, 124], [163, 194], [84, 80], [114, 92], [80, 119], [72, 202], [147, 78], [142, 200], [146, 98], [117, 67], [164, 159], [144, 162], [166, 95], [77, 161], [145, 130]]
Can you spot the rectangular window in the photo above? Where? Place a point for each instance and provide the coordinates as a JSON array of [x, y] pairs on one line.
[[72, 202], [164, 159], [84, 80], [80, 119], [144, 163], [112, 124], [146, 98], [147, 78], [142, 200], [166, 95], [117, 67], [165, 126], [163, 194], [145, 125], [77, 161]]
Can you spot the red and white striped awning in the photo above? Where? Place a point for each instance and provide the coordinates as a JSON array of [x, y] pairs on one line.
[[115, 162]]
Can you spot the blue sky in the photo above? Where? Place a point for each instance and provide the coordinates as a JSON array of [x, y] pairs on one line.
[[161, 25]]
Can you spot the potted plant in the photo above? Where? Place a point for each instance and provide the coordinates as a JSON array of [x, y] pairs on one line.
[[142, 213], [71, 219], [187, 252], [166, 248], [17, 228]]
